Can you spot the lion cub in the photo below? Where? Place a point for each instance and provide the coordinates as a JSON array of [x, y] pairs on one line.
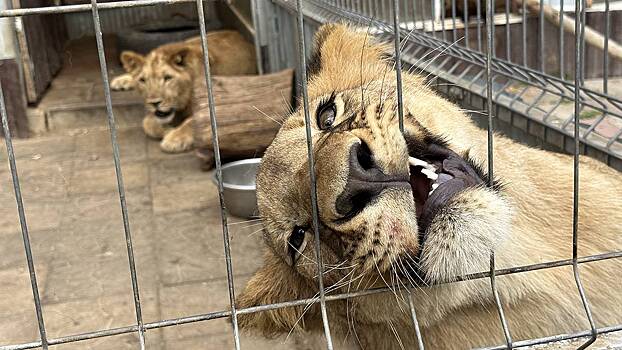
[[165, 78]]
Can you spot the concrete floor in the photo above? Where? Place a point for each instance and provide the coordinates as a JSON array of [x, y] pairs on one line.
[[77, 238]]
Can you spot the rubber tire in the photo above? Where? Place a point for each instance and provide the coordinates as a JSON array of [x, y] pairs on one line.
[[146, 37]]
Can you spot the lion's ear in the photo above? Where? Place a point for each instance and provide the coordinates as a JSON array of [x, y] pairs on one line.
[[132, 61], [179, 57], [274, 282], [315, 61], [344, 57]]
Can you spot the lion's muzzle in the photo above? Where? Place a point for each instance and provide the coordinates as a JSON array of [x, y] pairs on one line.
[[365, 182]]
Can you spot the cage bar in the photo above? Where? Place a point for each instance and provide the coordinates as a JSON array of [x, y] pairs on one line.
[[490, 5], [118, 173], [578, 82], [22, 220], [218, 163], [302, 60]]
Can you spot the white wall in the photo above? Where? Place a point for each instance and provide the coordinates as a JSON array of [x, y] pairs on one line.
[[7, 35]]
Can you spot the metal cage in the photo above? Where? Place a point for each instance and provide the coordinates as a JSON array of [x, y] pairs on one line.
[[471, 64]]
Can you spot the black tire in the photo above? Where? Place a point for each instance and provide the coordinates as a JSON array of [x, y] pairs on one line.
[[146, 37]]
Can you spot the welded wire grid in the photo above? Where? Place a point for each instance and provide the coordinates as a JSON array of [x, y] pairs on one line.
[[464, 64]]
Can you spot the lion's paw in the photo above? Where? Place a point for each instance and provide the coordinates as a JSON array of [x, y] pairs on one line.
[[122, 83], [177, 141], [152, 128]]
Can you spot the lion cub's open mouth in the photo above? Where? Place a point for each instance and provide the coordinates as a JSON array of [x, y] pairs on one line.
[[435, 178]]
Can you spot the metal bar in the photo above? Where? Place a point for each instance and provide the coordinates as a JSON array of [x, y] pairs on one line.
[[582, 24], [334, 297], [22, 220], [258, 33], [453, 20], [398, 63], [489, 99], [305, 104], [466, 23], [495, 293], [541, 36], [119, 174], [606, 48], [508, 39], [400, 109], [87, 7], [524, 29], [578, 82], [443, 6], [433, 17], [561, 39], [217, 161]]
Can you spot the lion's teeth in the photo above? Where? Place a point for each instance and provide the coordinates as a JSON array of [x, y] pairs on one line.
[[418, 162], [430, 174]]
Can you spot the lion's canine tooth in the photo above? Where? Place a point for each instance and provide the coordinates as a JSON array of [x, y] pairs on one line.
[[418, 162], [431, 174]]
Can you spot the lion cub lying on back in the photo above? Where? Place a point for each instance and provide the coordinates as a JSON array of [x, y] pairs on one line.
[[416, 210], [165, 78]]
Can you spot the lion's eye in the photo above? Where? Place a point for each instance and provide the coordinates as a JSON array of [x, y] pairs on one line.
[[167, 77], [142, 80], [296, 244], [326, 114]]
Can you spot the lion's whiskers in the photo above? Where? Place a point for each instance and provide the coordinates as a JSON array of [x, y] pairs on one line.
[[243, 222], [267, 116]]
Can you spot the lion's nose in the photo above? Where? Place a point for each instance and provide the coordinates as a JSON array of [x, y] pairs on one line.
[[366, 181]]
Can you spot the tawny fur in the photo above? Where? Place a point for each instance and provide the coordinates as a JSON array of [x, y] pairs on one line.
[[528, 221], [166, 76]]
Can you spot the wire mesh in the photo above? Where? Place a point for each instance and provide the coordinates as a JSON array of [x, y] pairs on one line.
[[380, 15]]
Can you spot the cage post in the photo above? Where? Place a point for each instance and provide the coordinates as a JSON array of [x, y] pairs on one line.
[[541, 37], [22, 221], [606, 48], [119, 175], [489, 50], [258, 32], [314, 208], [217, 160], [508, 37], [466, 23], [454, 31], [578, 83], [561, 39], [443, 6]]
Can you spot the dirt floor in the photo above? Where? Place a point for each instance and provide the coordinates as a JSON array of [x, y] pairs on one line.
[[74, 217]]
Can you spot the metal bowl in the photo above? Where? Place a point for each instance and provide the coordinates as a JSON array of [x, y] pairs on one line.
[[238, 180]]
